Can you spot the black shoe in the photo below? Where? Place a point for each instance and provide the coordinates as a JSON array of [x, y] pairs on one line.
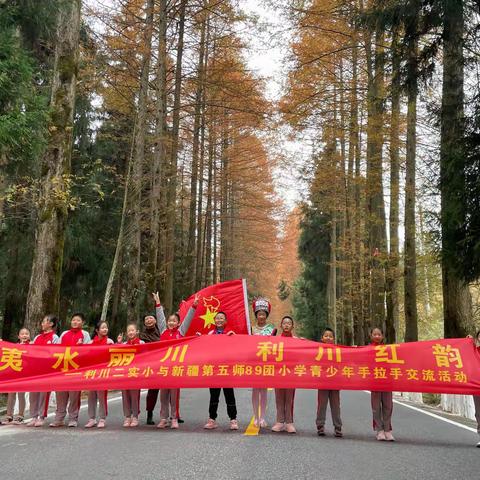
[[150, 418], [180, 420]]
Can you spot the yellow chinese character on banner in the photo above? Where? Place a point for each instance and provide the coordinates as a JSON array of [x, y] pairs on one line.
[[223, 371], [163, 371], [364, 372], [428, 375], [331, 371], [387, 354], [444, 376], [412, 374], [396, 373], [147, 372], [283, 370], [333, 354], [379, 373], [89, 374], [300, 370], [348, 372], [177, 370], [174, 353], [193, 371], [316, 370], [121, 357], [460, 377], [268, 370], [207, 370], [66, 360], [446, 354], [238, 370], [268, 349], [11, 358], [133, 372]]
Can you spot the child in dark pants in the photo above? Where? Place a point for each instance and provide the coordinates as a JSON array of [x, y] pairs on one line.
[[220, 324], [326, 396], [382, 402]]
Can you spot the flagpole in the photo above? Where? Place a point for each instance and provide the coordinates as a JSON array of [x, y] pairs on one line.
[[247, 310]]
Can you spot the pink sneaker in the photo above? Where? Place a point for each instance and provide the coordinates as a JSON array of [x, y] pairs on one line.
[[381, 436], [234, 424], [389, 437], [91, 423], [174, 423], [134, 422], [101, 423], [127, 422], [57, 423], [163, 423], [290, 428], [263, 423], [39, 422], [278, 427], [211, 424]]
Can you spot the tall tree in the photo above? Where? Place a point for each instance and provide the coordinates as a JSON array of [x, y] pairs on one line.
[[43, 294], [456, 293]]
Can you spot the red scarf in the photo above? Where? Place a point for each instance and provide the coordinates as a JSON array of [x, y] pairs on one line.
[[74, 336], [133, 341], [170, 334], [99, 341], [44, 338]]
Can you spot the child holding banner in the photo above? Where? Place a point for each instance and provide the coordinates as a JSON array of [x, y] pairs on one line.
[[151, 333], [261, 309], [169, 330], [220, 324], [73, 337], [100, 337], [39, 400], [284, 397], [23, 338], [131, 398], [326, 396], [382, 402]]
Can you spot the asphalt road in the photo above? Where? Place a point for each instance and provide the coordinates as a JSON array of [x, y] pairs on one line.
[[426, 447]]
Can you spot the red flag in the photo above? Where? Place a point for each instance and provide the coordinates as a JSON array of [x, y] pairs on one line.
[[228, 297]]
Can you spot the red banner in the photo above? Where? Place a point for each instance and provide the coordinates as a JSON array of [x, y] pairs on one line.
[[228, 297], [438, 366]]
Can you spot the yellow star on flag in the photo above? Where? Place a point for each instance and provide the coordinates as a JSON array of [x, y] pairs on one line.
[[208, 317]]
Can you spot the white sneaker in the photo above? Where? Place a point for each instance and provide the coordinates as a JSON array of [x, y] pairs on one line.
[[211, 424], [478, 445], [389, 437], [57, 423], [234, 424], [73, 424], [91, 423], [381, 436], [32, 422]]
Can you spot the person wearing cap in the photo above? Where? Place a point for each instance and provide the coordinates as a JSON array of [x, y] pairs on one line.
[[261, 309]]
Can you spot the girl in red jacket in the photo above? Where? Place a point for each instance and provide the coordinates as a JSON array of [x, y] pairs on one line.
[[284, 396], [131, 398], [39, 400], [172, 329], [100, 337], [23, 339]]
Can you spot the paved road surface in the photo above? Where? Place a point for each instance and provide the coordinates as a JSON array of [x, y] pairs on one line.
[[426, 448]]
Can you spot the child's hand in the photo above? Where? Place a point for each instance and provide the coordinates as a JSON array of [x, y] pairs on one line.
[[120, 338], [469, 336], [231, 332], [198, 334], [195, 301], [156, 297]]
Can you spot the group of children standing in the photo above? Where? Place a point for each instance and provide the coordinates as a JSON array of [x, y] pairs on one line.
[[158, 328]]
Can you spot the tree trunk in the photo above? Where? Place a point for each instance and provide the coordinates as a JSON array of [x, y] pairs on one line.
[[391, 323], [410, 288], [192, 231], [135, 202], [374, 189], [457, 302], [44, 289], [172, 174], [160, 151]]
